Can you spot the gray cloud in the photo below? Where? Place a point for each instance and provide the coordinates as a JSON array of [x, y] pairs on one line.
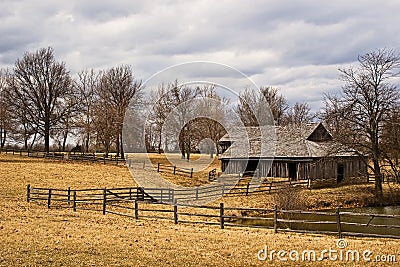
[[294, 45]]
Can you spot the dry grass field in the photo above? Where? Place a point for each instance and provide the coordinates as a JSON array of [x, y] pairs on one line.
[[200, 175], [32, 235]]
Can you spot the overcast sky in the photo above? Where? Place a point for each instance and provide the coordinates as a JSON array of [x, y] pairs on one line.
[[296, 46]]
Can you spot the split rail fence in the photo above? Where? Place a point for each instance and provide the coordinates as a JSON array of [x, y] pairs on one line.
[[174, 169], [137, 203], [81, 157]]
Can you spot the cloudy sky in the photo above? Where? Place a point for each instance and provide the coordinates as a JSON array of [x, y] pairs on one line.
[[296, 46]]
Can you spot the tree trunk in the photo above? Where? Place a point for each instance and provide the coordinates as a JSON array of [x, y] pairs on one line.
[[25, 142], [65, 141], [4, 138], [87, 142], [378, 181], [107, 148], [187, 143], [182, 146], [33, 141], [118, 144], [122, 148], [159, 143], [47, 136], [3, 135]]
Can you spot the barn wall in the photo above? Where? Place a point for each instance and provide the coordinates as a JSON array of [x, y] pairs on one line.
[[233, 166], [328, 168], [317, 169]]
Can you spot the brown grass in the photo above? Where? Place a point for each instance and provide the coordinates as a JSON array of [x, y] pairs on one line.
[[200, 177], [32, 235]]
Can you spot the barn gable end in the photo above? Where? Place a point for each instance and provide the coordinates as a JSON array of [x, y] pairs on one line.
[[320, 134]]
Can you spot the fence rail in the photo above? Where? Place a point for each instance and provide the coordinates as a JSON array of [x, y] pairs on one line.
[[385, 178], [136, 203], [67, 156], [174, 169]]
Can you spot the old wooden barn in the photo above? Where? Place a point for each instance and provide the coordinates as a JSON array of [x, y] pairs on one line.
[[305, 151]]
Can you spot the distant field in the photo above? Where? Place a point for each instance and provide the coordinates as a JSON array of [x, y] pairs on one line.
[[201, 165], [32, 235]]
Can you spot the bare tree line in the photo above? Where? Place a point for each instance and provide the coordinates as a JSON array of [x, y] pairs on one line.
[[252, 102], [42, 104]]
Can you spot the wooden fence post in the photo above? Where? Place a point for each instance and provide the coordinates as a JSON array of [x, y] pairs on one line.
[[104, 201], [175, 213], [191, 173], [130, 193], [197, 193], [173, 195], [49, 199], [141, 193], [270, 187], [338, 224], [161, 195], [136, 210], [158, 167], [221, 215], [223, 190], [174, 169], [74, 201], [69, 195], [28, 192], [275, 219]]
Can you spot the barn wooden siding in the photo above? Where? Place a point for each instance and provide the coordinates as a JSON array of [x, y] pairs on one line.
[[322, 168]]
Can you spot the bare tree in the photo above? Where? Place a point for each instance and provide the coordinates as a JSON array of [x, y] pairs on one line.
[[116, 89], [299, 114], [180, 96], [391, 143], [104, 126], [67, 125], [40, 86], [252, 108], [368, 96], [86, 85], [213, 108], [161, 106], [256, 108], [277, 103], [5, 109]]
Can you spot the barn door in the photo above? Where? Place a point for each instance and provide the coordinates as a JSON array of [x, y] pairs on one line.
[[340, 173], [292, 168]]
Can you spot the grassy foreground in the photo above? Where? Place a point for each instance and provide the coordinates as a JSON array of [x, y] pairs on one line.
[[32, 235]]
